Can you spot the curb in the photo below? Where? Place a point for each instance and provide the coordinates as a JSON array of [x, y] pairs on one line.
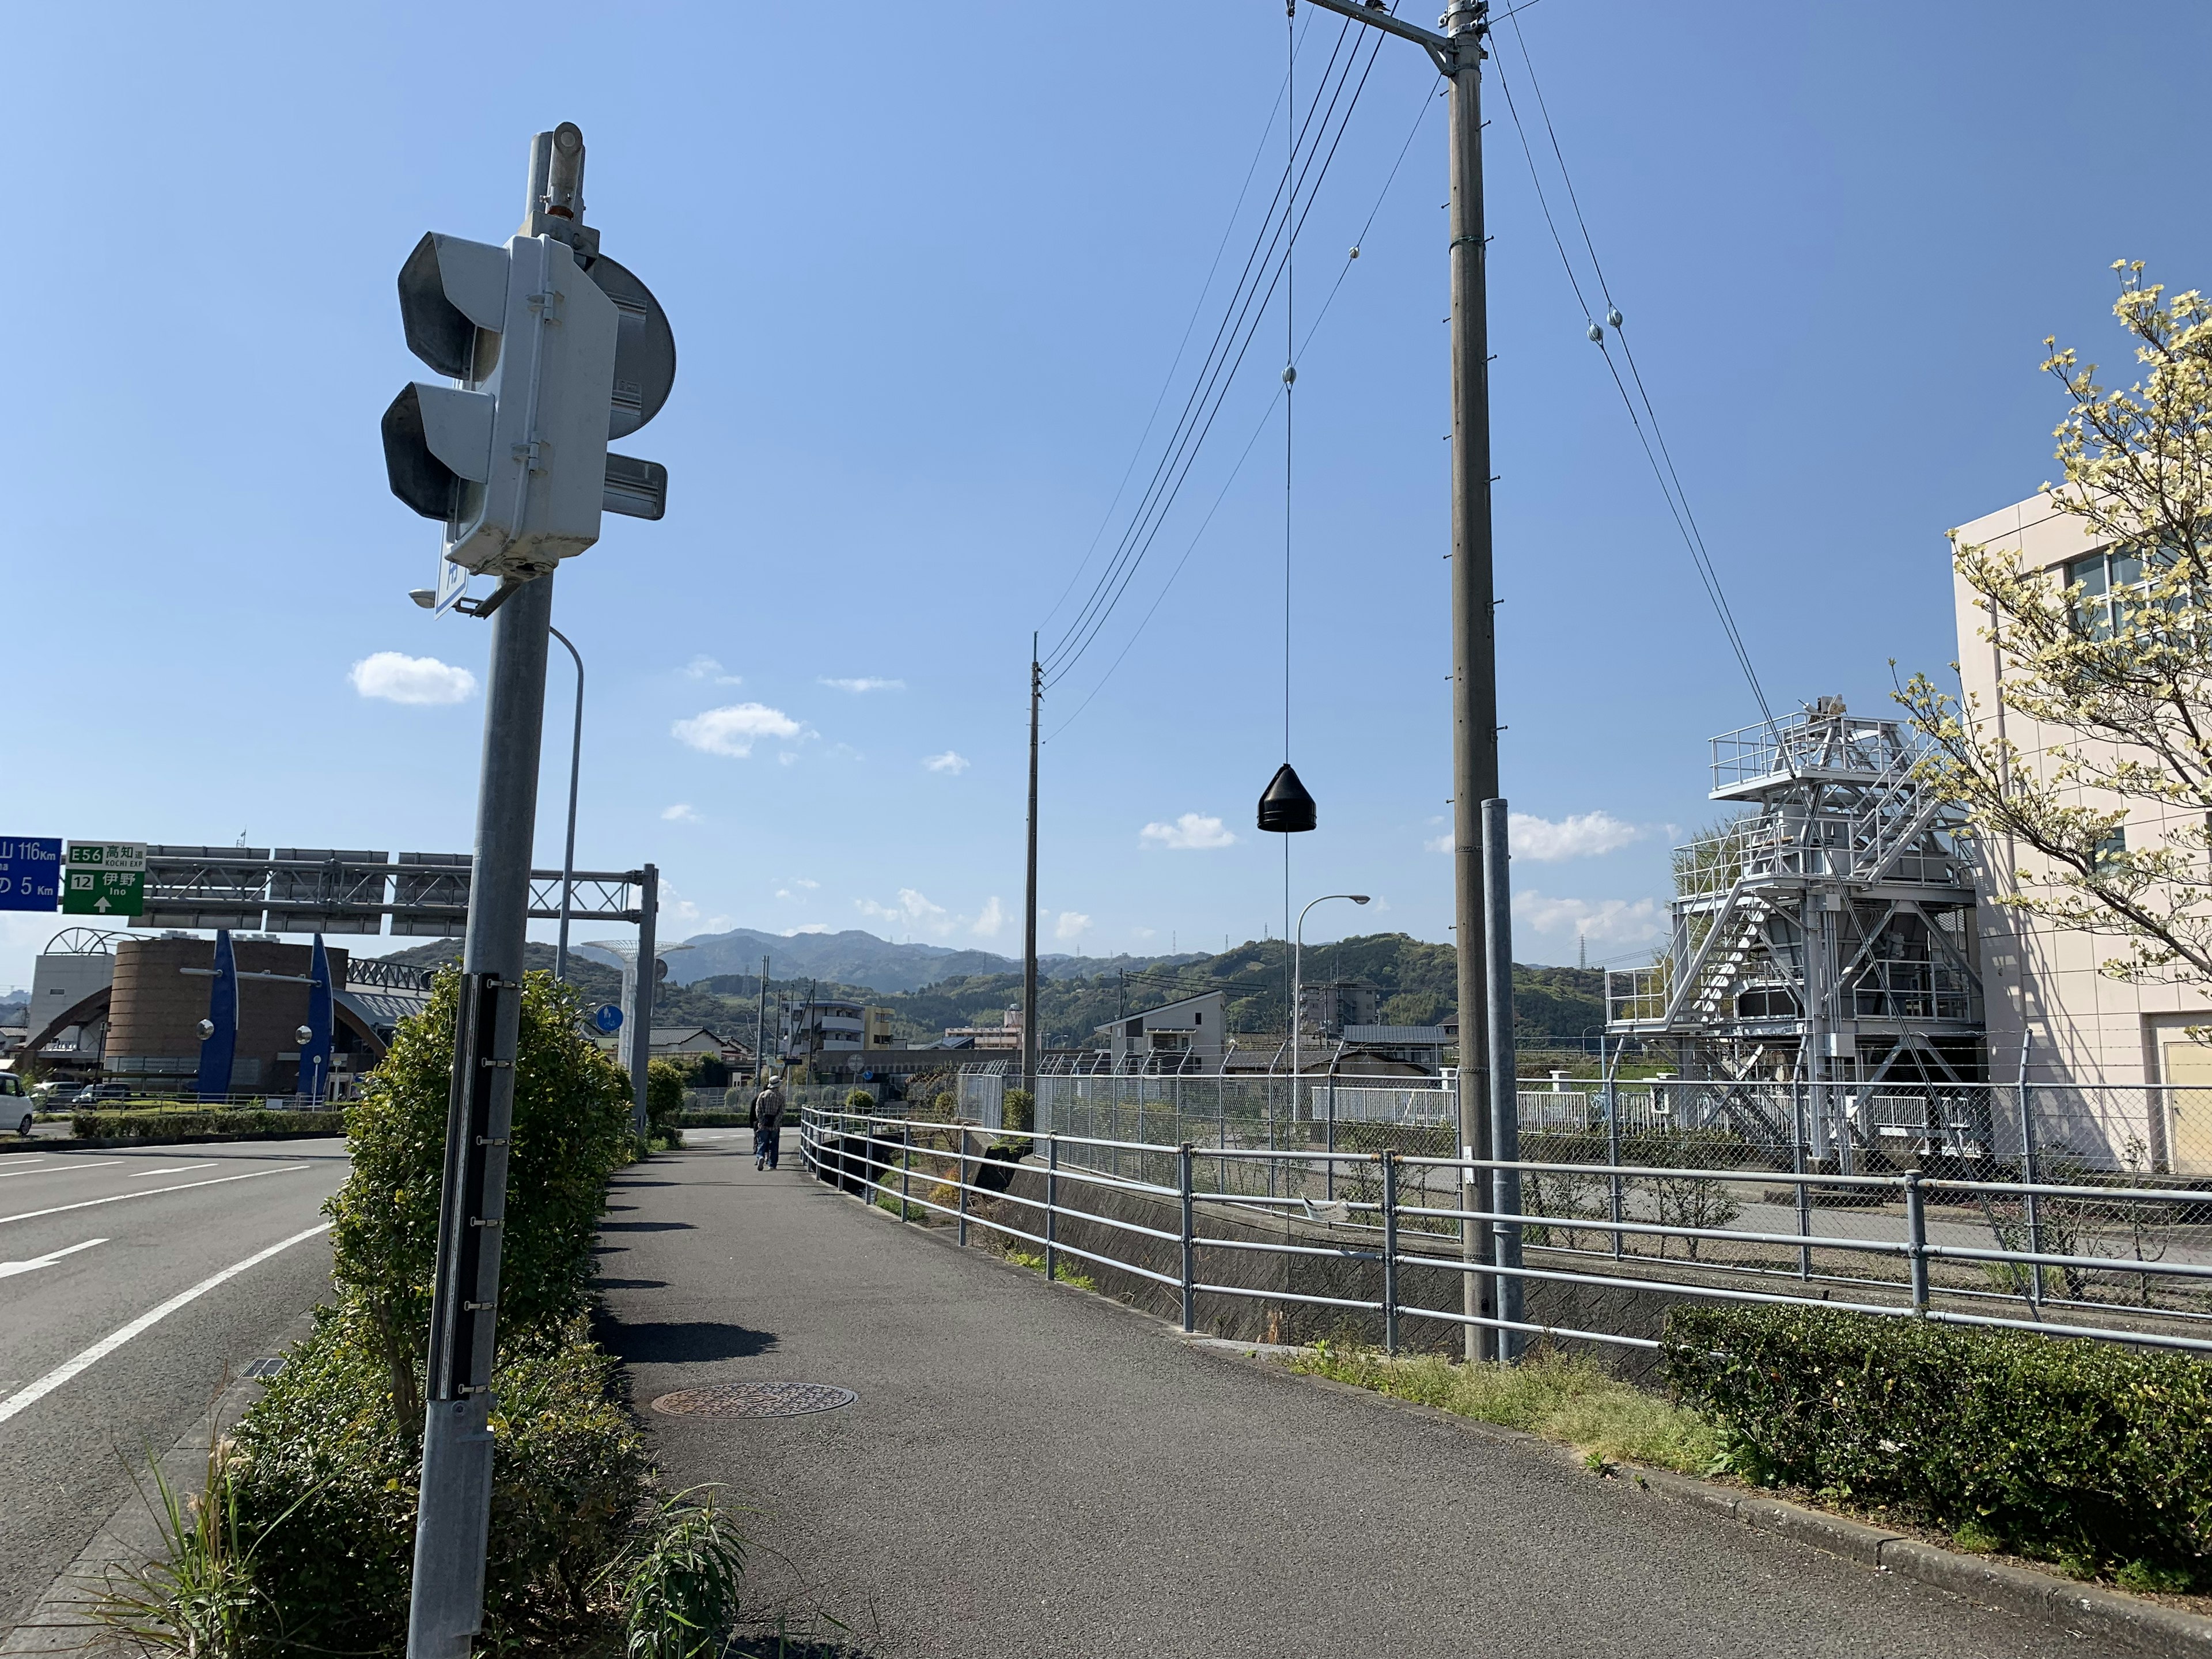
[[70, 1144]]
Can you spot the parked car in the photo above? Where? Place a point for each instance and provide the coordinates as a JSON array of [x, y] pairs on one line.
[[14, 1102], [92, 1094]]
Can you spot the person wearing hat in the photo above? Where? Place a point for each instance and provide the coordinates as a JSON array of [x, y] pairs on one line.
[[767, 1122]]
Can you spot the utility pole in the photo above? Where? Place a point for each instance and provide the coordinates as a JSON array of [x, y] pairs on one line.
[[760, 1028], [1458, 53], [512, 462], [1032, 1047], [647, 981]]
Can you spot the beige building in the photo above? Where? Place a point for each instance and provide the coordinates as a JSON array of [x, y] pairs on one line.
[[2121, 1071]]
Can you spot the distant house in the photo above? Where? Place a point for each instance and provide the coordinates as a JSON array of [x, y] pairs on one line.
[[676, 1043], [1006, 1035], [1188, 1035]]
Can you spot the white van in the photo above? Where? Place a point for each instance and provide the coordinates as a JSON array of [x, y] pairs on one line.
[[15, 1104]]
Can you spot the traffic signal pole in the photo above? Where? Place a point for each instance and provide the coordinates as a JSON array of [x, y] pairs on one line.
[[454, 1511], [1458, 53]]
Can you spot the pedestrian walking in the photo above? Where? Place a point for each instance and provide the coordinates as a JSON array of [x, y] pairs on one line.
[[767, 1122]]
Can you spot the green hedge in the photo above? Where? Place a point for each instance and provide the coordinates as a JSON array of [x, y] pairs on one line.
[[213, 1124], [2093, 1455]]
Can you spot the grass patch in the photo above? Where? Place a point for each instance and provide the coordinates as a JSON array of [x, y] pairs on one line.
[[1067, 1275], [1562, 1397]]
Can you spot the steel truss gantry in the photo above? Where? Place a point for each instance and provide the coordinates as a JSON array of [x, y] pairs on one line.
[[1822, 937]]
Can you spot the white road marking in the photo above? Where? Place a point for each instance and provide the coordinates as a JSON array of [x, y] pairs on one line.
[[150, 1192], [174, 1168], [9, 1269], [107, 1345], [57, 1169]]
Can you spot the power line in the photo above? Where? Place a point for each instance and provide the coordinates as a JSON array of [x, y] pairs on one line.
[[1239, 325], [1243, 455], [1653, 442], [1167, 382]]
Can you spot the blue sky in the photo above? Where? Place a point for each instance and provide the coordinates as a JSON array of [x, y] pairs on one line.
[[928, 275]]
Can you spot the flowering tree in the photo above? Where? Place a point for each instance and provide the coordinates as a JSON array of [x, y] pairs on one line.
[[2117, 667]]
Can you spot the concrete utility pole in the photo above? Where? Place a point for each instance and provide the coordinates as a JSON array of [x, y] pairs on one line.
[[760, 1028], [648, 975], [1031, 1046], [1458, 53]]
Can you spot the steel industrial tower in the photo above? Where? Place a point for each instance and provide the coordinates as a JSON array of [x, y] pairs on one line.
[[1823, 937]]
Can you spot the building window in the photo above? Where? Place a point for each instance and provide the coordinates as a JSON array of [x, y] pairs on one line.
[[2111, 847], [2104, 577]]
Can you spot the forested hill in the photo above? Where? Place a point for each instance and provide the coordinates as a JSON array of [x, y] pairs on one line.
[[1416, 979]]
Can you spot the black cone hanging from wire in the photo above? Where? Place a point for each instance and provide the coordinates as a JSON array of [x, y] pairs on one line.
[[1286, 808]]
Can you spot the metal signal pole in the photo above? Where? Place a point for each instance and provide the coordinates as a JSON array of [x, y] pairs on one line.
[[1030, 1050], [1458, 53]]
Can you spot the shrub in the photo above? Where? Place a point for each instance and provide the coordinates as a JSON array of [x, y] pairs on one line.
[[2066, 1450], [324, 1475], [1018, 1110], [664, 1083], [156, 1124], [571, 1130]]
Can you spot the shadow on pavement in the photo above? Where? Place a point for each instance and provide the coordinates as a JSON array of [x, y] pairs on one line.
[[646, 1227], [676, 1342]]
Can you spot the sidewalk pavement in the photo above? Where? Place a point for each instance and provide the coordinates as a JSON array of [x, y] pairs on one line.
[[1029, 1471]]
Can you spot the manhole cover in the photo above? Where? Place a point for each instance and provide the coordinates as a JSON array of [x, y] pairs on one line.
[[754, 1399]]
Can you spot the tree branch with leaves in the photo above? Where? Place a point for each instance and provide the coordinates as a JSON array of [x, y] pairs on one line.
[[2117, 669]]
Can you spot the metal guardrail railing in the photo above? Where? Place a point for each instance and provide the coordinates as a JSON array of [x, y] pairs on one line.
[[1964, 1250]]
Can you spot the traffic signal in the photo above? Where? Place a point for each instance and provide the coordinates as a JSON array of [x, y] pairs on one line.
[[556, 348]]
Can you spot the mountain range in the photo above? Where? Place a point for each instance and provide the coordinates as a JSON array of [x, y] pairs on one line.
[[856, 957]]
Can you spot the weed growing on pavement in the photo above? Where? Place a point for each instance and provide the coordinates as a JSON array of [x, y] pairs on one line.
[[1067, 1275], [1562, 1397], [200, 1599], [680, 1584]]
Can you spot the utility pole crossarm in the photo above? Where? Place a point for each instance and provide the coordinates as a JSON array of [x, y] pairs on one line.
[[1438, 46]]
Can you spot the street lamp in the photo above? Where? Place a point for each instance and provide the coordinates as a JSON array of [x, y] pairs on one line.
[[427, 599], [1298, 987]]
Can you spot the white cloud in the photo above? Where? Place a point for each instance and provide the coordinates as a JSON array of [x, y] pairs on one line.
[[949, 761], [993, 918], [1073, 924], [396, 677], [1437, 844], [913, 912], [865, 684], [810, 927], [681, 812], [1604, 921], [706, 668], [1581, 836], [735, 729], [801, 881], [1193, 832]]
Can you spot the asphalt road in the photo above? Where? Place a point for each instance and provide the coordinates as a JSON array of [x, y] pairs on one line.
[[1031, 1472], [91, 1244]]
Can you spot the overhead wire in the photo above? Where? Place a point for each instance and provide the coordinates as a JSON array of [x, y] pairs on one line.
[[1250, 443], [1167, 382], [1240, 323], [1206, 396], [1640, 408]]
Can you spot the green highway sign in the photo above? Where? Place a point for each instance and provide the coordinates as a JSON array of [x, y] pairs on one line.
[[106, 856], [103, 892]]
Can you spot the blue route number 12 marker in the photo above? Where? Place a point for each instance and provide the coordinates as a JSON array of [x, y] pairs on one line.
[[30, 872]]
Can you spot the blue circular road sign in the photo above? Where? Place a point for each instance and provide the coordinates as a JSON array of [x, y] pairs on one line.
[[607, 1017]]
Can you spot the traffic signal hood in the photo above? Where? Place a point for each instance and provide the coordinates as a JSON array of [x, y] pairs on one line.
[[556, 352]]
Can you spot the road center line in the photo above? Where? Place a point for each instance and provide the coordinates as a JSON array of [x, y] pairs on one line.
[[31, 1393], [61, 1168], [9, 1269], [151, 1192]]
